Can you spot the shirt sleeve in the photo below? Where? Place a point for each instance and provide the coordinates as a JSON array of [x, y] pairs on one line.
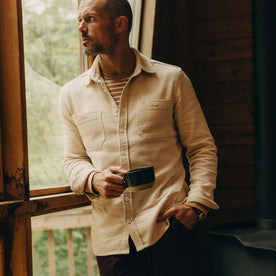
[[77, 165], [195, 136]]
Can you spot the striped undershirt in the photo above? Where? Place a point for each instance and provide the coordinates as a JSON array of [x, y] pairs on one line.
[[115, 86]]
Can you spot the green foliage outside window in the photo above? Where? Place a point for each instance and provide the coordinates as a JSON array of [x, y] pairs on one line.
[[40, 252], [51, 49]]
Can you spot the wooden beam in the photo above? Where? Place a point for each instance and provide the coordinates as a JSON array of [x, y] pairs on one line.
[[18, 246], [90, 255], [50, 191], [71, 257], [2, 254], [80, 218], [42, 205], [1, 170], [51, 253], [12, 101]]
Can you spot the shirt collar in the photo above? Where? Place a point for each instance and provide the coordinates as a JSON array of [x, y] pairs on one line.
[[142, 64]]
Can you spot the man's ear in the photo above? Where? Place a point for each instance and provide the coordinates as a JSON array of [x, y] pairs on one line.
[[121, 24]]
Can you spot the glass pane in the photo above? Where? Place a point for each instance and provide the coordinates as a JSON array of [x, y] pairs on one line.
[[62, 244], [51, 45]]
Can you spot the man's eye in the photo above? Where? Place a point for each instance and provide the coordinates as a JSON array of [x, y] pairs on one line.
[[90, 18]]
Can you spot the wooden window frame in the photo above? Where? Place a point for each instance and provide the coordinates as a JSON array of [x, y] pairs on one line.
[[17, 202]]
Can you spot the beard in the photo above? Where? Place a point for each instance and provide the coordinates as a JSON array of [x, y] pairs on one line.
[[93, 48]]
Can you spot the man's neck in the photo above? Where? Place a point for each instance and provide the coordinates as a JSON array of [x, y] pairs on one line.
[[120, 63]]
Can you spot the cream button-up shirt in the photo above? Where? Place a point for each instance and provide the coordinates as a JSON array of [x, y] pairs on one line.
[[158, 115]]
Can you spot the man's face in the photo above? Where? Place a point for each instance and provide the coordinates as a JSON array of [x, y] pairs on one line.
[[96, 28]]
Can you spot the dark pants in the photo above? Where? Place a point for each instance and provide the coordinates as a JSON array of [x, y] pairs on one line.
[[176, 253]]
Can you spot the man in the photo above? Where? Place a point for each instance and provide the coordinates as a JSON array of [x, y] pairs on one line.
[[128, 112]]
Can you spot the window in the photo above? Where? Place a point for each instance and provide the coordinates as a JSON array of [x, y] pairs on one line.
[[51, 51]]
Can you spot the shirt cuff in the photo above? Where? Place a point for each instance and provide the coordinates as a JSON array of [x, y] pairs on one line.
[[88, 189], [198, 206]]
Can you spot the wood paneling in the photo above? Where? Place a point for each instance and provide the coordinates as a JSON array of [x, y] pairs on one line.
[[237, 198], [228, 114], [226, 92], [236, 156], [233, 134], [223, 50], [222, 39], [206, 9], [218, 55], [224, 71], [222, 29], [236, 177]]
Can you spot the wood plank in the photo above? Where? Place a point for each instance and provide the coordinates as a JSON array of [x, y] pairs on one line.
[[42, 205], [90, 255], [2, 253], [223, 50], [222, 29], [12, 101], [80, 218], [50, 191], [238, 198], [229, 114], [51, 253], [224, 71], [1, 170], [238, 177], [204, 9], [71, 256], [236, 156], [18, 246], [233, 134], [220, 93]]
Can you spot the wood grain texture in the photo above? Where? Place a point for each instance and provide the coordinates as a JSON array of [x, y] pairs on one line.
[[207, 9], [12, 101], [222, 29]]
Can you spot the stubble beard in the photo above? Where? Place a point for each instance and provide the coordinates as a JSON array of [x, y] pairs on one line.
[[95, 48]]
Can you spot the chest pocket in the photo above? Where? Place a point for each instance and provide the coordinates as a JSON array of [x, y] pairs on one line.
[[155, 119], [91, 129]]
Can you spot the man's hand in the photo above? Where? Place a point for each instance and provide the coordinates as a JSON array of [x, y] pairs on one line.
[[108, 184], [184, 213]]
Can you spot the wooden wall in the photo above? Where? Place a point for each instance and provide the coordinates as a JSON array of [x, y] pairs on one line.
[[212, 41]]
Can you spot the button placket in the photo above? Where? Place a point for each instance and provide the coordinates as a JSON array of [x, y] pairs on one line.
[[123, 132], [128, 207]]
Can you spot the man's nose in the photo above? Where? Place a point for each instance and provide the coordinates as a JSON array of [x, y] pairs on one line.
[[82, 27]]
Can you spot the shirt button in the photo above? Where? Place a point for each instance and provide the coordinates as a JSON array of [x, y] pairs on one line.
[[123, 153], [122, 131], [129, 221], [155, 103], [127, 198]]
